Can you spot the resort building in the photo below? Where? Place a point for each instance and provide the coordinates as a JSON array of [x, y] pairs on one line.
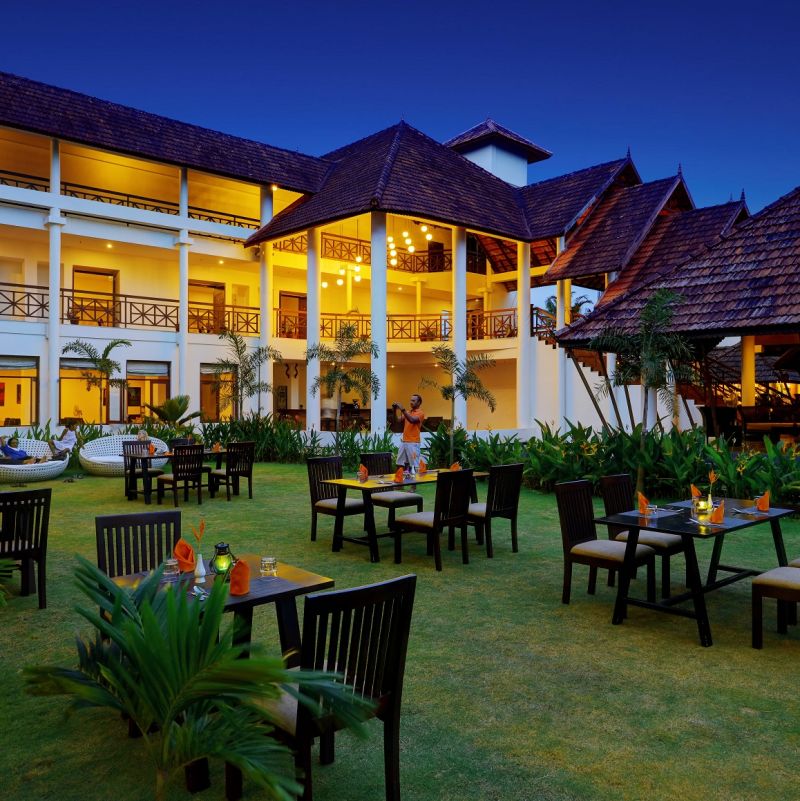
[[120, 224]]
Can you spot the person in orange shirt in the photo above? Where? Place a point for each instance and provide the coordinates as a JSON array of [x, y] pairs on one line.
[[413, 418]]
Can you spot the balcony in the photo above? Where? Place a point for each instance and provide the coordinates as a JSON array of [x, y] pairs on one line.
[[19, 302]]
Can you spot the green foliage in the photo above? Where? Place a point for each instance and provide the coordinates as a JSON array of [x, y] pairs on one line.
[[173, 413], [6, 566], [101, 362], [483, 452], [443, 447], [350, 444], [275, 440]]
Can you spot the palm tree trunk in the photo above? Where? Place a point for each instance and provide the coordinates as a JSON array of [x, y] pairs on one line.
[[630, 406], [642, 443], [162, 777]]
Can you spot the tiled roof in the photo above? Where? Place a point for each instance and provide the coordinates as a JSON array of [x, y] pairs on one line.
[[552, 206], [614, 230], [672, 239], [403, 171], [490, 131], [729, 366], [748, 282], [76, 117]]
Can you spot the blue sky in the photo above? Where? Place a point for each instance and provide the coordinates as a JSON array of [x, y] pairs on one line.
[[710, 85]]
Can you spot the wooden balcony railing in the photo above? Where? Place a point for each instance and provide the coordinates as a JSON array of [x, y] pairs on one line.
[[27, 302], [418, 328], [291, 324], [492, 324], [543, 324], [23, 181], [210, 318]]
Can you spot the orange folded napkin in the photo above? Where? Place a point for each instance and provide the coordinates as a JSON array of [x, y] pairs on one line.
[[643, 503], [240, 578], [455, 466], [422, 468], [696, 492], [217, 447], [151, 448], [762, 503], [184, 553], [363, 473], [718, 515], [398, 475]]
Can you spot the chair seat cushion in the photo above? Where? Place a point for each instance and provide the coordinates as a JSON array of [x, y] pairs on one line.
[[329, 505], [608, 549], [422, 520], [655, 539], [787, 578], [794, 563], [477, 510], [394, 498]]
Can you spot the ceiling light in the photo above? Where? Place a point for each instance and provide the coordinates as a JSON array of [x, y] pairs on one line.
[[222, 261], [423, 228], [392, 252], [109, 245], [339, 281], [390, 239], [429, 237], [274, 187], [358, 259], [357, 268], [392, 366], [342, 271], [393, 262], [408, 241], [324, 284], [405, 234], [399, 289], [356, 278], [411, 248]]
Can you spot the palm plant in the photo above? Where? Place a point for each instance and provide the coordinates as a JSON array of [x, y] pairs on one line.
[[103, 367], [245, 365], [343, 376], [576, 309], [653, 357], [464, 381], [162, 660], [173, 412]]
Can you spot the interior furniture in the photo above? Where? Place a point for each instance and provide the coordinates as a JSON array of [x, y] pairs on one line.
[[453, 492], [580, 543], [103, 456], [502, 501], [617, 492], [325, 497], [23, 473], [187, 472], [238, 465], [24, 520], [339, 629], [380, 464], [135, 543]]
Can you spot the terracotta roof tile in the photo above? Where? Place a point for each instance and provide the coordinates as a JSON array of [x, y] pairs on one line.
[[86, 120], [490, 131]]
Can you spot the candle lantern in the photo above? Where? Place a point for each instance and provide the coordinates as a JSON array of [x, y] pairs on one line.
[[223, 559]]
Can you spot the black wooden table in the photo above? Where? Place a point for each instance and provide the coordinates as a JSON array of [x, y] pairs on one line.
[[675, 518]]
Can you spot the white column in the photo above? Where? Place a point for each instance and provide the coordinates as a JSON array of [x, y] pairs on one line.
[[748, 371], [54, 224], [459, 333], [312, 324], [183, 242], [266, 402], [561, 378], [378, 290], [652, 409], [526, 369]]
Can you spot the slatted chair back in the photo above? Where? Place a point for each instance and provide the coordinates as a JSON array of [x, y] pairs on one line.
[[323, 468], [362, 634], [575, 513], [187, 463], [379, 464], [617, 492], [453, 491], [505, 484], [240, 458], [176, 442], [133, 449], [24, 520], [133, 543]]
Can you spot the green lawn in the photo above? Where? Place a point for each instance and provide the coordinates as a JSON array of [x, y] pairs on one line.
[[508, 694]]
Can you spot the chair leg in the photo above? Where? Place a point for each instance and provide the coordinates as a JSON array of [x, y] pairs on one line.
[[782, 616], [159, 493], [451, 539], [487, 533], [391, 756], [420, 502], [565, 592], [514, 540], [42, 570], [464, 545], [437, 550], [327, 750], [175, 494], [228, 489], [651, 579], [612, 577], [302, 764], [250, 487], [758, 633], [479, 533], [27, 579], [592, 580], [665, 577], [313, 526]]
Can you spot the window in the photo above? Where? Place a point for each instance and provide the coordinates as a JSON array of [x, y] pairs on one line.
[[19, 390], [216, 394], [94, 297], [147, 383], [85, 395]]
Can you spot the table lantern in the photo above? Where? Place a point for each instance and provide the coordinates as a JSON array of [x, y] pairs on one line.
[[223, 559]]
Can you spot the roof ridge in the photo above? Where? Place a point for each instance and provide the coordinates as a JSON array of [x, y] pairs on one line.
[[391, 157], [575, 172]]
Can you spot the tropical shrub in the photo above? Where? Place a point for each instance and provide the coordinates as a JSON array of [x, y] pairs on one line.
[[483, 452], [436, 451]]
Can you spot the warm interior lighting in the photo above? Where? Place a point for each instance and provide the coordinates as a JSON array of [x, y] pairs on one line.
[[390, 239], [358, 260], [221, 261], [408, 240], [405, 234], [429, 237], [393, 262], [423, 228], [342, 271], [357, 268], [339, 281], [109, 245], [356, 278], [274, 187], [392, 252], [411, 248], [399, 289], [324, 284]]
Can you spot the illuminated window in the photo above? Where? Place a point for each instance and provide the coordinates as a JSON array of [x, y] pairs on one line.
[[19, 390], [146, 383], [216, 402]]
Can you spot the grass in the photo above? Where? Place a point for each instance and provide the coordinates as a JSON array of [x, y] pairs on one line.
[[509, 694]]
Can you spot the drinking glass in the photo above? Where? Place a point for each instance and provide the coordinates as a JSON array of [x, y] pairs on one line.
[[269, 566], [172, 570]]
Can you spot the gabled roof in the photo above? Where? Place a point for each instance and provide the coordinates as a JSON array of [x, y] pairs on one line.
[[403, 171], [86, 120], [748, 282], [615, 229], [728, 361], [491, 132], [672, 239], [554, 205]]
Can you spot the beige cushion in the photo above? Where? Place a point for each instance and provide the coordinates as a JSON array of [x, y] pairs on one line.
[[282, 711], [416, 519], [794, 563], [787, 578], [608, 549], [477, 510], [395, 498], [351, 505], [655, 539]]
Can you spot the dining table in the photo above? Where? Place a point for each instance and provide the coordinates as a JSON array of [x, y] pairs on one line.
[[676, 518], [376, 483], [146, 459]]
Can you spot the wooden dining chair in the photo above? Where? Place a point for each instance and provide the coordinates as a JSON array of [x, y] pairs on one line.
[[24, 523], [617, 492], [381, 464], [360, 634], [502, 501], [238, 465], [134, 469], [187, 471], [581, 546], [325, 497], [453, 491], [781, 583]]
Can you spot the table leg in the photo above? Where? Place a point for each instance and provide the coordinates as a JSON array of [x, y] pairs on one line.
[[288, 631], [147, 482], [369, 525], [338, 526], [716, 553], [696, 588], [628, 568]]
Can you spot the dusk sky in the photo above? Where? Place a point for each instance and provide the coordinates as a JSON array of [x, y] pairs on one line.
[[710, 85]]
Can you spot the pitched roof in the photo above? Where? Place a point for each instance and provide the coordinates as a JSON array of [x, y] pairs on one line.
[[553, 206], [748, 282], [614, 230], [729, 366], [489, 131], [672, 239], [403, 171], [86, 120]]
